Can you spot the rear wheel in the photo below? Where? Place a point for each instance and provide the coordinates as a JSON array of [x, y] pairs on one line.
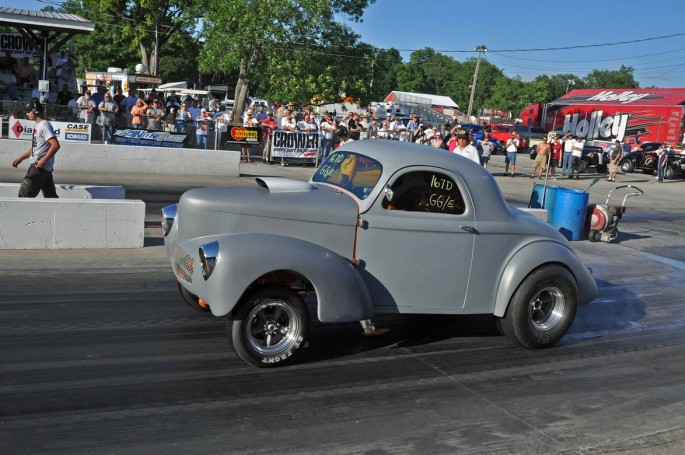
[[269, 326], [594, 235], [670, 173], [542, 308]]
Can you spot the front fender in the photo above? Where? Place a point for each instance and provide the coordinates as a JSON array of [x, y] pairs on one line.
[[341, 293], [535, 255]]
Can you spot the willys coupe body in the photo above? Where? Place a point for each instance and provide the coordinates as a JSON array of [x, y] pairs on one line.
[[382, 227]]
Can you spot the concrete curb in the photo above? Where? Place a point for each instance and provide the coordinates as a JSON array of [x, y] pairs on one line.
[[71, 223], [77, 157], [66, 191]]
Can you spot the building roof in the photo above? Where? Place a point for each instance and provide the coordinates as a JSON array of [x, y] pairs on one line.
[[420, 98], [45, 20]]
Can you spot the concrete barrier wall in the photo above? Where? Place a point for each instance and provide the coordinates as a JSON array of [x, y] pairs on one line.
[[77, 157], [71, 192], [63, 223]]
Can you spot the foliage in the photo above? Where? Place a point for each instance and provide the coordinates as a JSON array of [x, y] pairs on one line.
[[621, 78]]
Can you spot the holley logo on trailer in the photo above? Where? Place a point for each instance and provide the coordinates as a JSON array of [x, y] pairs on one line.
[[623, 97], [611, 126]]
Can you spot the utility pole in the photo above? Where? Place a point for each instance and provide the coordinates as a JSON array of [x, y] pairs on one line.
[[481, 50], [569, 83]]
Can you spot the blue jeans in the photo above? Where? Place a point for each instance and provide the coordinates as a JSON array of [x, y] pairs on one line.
[[326, 146], [566, 165], [107, 132], [202, 141], [661, 171]]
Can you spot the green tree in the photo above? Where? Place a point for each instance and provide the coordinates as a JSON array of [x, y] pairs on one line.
[[620, 78], [250, 33], [123, 25], [384, 69]]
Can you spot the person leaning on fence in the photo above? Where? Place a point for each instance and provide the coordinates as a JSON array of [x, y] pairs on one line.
[[203, 122], [268, 125], [327, 130], [42, 153], [86, 107], [245, 150], [155, 116], [139, 115]]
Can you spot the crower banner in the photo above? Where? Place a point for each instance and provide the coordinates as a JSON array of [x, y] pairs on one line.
[[293, 144], [17, 45], [244, 135], [150, 138], [65, 131]]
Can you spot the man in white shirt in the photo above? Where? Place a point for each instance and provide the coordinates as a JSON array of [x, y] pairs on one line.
[[512, 148], [464, 147], [576, 155]]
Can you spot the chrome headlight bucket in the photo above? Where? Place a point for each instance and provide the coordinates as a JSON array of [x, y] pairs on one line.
[[168, 215], [209, 254]]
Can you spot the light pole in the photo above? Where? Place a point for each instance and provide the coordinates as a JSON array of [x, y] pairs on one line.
[[569, 83], [481, 50]]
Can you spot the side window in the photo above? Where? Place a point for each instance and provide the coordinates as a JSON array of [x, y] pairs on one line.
[[426, 191]]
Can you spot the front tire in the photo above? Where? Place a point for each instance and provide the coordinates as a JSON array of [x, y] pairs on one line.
[[542, 308], [627, 166], [269, 326]]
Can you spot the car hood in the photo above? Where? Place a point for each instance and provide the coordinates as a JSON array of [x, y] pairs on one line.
[[286, 207]]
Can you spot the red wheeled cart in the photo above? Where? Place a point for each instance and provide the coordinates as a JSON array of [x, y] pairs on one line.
[[604, 218]]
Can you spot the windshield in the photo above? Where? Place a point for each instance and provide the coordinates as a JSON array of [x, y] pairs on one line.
[[354, 172]]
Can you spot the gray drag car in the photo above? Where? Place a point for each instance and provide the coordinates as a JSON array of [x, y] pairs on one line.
[[382, 227]]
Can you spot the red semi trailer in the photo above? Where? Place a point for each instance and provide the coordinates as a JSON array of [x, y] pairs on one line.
[[655, 114]]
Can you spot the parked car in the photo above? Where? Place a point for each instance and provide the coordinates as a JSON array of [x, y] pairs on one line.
[[381, 227], [593, 156], [528, 136], [501, 133], [645, 158]]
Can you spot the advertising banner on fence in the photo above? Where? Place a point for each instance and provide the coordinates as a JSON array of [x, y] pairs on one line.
[[149, 138], [293, 144], [65, 131], [244, 135]]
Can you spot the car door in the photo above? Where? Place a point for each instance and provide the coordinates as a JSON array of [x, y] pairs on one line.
[[415, 243]]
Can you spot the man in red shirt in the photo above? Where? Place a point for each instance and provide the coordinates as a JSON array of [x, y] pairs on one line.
[[557, 150], [268, 125]]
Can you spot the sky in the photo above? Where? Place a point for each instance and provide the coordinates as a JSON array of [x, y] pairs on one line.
[[528, 39]]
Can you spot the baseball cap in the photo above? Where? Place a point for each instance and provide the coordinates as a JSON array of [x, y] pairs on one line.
[[462, 134]]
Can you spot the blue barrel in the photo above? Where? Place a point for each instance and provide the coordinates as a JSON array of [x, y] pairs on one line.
[[570, 207], [549, 197]]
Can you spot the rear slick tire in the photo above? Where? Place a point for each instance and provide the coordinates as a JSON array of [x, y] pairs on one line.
[[542, 308]]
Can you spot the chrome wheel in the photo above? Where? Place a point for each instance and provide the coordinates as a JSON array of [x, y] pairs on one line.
[[273, 327], [547, 308]]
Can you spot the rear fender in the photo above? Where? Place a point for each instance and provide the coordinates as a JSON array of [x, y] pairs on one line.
[[341, 293], [538, 254]]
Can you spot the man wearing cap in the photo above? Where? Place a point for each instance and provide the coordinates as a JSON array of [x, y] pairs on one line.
[[268, 125], [464, 147], [511, 148], [328, 128], [413, 126], [367, 129], [202, 129], [344, 135], [42, 152], [615, 153]]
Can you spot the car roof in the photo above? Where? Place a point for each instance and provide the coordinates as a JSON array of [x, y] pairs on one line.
[[396, 155]]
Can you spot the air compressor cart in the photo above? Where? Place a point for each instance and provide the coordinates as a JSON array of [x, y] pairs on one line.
[[604, 218]]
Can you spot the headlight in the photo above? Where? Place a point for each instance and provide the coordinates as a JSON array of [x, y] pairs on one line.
[[209, 254], [168, 215]]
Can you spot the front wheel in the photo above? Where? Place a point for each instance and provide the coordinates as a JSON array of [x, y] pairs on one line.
[[627, 166], [669, 172], [542, 308], [582, 166], [269, 326]]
